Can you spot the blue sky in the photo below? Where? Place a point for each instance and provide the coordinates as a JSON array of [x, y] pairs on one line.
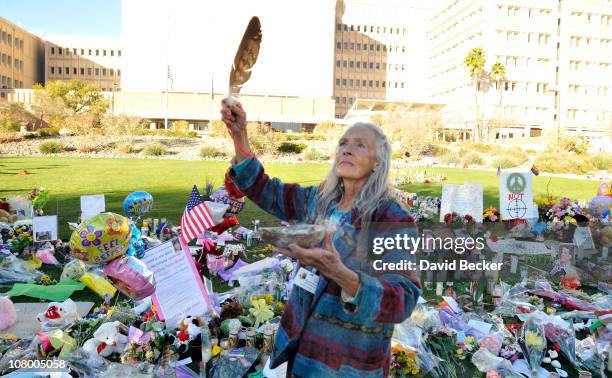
[[74, 17]]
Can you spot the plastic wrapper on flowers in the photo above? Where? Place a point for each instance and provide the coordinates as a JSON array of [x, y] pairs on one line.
[[485, 361], [561, 332], [590, 354], [88, 365], [13, 270], [533, 343], [19, 351]]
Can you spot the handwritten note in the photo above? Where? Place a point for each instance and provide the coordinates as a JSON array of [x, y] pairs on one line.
[[462, 199], [179, 290], [92, 205]]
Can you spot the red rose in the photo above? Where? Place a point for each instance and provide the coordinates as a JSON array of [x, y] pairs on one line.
[[183, 336]]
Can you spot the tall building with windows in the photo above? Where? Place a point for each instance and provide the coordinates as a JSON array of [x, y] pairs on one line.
[[96, 60], [380, 51], [557, 57], [21, 57]]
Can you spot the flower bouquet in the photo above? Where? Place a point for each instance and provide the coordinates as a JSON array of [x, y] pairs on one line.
[[404, 361], [563, 217], [442, 343], [453, 220], [562, 333], [39, 198], [147, 343], [533, 343], [490, 215]]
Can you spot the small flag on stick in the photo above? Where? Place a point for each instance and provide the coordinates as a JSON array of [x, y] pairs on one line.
[[498, 170], [535, 170]]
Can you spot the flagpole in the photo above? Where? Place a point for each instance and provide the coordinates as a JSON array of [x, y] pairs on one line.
[[212, 96], [166, 113]]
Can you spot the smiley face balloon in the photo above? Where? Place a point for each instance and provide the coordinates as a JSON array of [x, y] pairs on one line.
[[101, 238], [137, 204]]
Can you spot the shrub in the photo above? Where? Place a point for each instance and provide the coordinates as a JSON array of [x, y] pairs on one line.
[[212, 152], [9, 126], [264, 141], [315, 154], [602, 161], [291, 147], [48, 131], [474, 158], [125, 148], [480, 147], [435, 150], [167, 133], [51, 147], [180, 125], [6, 137], [219, 129], [450, 158], [562, 164], [154, 149], [327, 128], [30, 136], [577, 145], [294, 137], [505, 162]]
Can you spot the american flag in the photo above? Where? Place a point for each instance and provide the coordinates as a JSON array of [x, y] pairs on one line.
[[196, 217], [170, 77]]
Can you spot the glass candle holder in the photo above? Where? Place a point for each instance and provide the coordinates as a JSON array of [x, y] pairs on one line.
[[224, 344], [250, 337]]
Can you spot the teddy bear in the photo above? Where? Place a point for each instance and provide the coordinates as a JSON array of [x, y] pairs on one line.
[[107, 340], [6, 217], [8, 315], [58, 314], [189, 337]]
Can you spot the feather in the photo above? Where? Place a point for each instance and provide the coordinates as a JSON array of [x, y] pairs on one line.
[[246, 56]]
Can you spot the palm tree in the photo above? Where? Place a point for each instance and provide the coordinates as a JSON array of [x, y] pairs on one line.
[[475, 62], [498, 75]]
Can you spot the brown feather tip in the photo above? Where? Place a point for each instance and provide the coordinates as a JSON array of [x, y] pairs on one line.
[[246, 56]]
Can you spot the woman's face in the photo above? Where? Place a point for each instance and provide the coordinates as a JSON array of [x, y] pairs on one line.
[[356, 155]]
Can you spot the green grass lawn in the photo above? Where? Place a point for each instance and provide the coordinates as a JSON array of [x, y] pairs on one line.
[[170, 182]]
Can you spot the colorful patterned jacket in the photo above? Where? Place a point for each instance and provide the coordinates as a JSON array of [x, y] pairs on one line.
[[318, 335]]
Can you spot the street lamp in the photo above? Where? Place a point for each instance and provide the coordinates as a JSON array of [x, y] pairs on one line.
[[557, 105]]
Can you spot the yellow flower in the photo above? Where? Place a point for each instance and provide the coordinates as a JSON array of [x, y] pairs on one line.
[[459, 351], [149, 355], [533, 339], [469, 340], [261, 312]]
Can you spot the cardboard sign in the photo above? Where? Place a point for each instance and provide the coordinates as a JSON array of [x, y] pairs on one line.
[[516, 195], [92, 205], [179, 290], [462, 199], [45, 228]]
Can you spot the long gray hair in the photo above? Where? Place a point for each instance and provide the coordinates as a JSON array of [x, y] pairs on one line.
[[374, 190]]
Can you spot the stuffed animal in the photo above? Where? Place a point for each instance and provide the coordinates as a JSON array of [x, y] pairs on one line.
[[107, 340], [188, 340], [8, 316], [6, 217], [59, 314]]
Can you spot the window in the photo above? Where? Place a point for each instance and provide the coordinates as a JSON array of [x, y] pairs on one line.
[[9, 40], [82, 51], [21, 48], [67, 70], [345, 27], [344, 64], [339, 27], [97, 52], [74, 71], [118, 52], [345, 45], [359, 47], [352, 46], [402, 84], [357, 83], [344, 82], [351, 100], [82, 71], [52, 70], [371, 65], [371, 47], [337, 100], [351, 64], [74, 51], [89, 52], [338, 45], [363, 83], [52, 50], [103, 52], [371, 83], [351, 83], [337, 82], [337, 63], [383, 83], [377, 66], [59, 51], [89, 72], [97, 72], [118, 72], [377, 83], [358, 64], [344, 100], [377, 47], [3, 36]]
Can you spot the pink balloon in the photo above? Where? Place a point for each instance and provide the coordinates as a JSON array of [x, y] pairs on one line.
[[47, 256]]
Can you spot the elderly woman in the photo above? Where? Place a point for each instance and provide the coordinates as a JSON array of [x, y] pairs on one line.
[[343, 327]]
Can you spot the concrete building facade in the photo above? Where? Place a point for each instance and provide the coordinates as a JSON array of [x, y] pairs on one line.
[[21, 57], [558, 61], [96, 60]]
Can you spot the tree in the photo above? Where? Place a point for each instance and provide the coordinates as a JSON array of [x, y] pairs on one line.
[[45, 107], [498, 76], [475, 62], [78, 96]]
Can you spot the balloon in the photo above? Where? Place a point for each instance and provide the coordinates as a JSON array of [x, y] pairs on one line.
[[600, 205], [101, 238], [221, 196], [137, 245], [604, 190], [137, 204]]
